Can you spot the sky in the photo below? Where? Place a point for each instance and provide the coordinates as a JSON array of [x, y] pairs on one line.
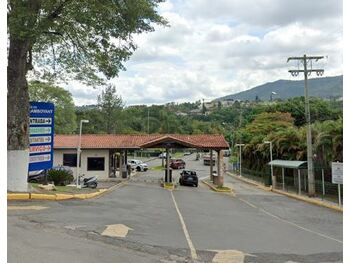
[[216, 48]]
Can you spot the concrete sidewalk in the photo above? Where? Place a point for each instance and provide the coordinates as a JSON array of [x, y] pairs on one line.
[[315, 200]]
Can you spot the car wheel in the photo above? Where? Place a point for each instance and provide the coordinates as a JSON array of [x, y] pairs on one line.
[[138, 168]]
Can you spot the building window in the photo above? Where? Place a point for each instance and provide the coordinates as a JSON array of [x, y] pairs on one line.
[[95, 163], [70, 159]]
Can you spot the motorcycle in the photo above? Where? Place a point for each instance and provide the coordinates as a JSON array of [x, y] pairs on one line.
[[90, 182]]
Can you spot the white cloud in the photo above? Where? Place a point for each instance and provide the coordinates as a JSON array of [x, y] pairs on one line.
[[215, 48]]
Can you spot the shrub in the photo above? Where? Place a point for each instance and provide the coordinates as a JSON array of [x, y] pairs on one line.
[[60, 177]]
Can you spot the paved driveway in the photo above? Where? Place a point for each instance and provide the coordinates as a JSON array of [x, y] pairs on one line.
[[185, 225]]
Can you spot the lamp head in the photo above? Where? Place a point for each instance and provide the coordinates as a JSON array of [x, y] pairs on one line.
[[85, 121]]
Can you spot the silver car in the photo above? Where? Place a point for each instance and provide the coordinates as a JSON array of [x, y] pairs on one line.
[[138, 165]]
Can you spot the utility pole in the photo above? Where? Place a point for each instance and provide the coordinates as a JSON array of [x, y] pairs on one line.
[[240, 157], [305, 60]]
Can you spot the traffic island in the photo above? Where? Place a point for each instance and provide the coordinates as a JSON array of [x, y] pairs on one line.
[[221, 189], [169, 186]]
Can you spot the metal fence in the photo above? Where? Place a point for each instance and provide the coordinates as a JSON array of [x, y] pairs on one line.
[[324, 188]]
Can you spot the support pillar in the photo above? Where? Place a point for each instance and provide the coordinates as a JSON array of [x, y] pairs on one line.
[[126, 162], [220, 169], [273, 179], [167, 178], [211, 165], [120, 163], [299, 183]]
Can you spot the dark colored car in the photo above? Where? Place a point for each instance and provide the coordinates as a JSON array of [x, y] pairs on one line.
[[39, 176], [36, 176], [177, 164], [188, 177]]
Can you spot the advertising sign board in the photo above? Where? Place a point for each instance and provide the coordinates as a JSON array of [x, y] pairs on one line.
[[41, 135]]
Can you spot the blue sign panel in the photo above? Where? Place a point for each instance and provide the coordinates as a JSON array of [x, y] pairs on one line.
[[41, 135]]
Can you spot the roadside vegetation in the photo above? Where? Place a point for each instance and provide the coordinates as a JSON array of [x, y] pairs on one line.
[[251, 123]]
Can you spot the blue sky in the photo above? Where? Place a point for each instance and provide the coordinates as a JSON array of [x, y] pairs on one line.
[[216, 48]]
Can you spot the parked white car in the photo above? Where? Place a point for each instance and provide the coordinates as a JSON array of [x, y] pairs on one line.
[[138, 165], [163, 155]]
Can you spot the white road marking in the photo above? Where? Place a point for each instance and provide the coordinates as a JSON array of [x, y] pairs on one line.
[[229, 256], [184, 228], [32, 207], [248, 203], [291, 223], [117, 230]]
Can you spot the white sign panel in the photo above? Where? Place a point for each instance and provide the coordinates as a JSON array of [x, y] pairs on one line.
[[40, 148], [40, 121], [337, 173], [39, 130], [39, 158], [40, 139]]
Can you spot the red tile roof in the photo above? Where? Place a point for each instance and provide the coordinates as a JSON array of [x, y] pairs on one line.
[[121, 141]]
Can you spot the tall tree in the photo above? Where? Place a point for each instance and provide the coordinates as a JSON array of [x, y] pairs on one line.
[[65, 118], [86, 40], [110, 105]]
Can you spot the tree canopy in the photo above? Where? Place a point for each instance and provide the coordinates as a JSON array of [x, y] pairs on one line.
[[80, 39], [85, 40], [110, 105], [65, 117]]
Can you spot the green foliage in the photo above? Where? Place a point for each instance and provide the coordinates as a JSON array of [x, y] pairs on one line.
[[60, 177], [81, 39], [320, 110], [110, 105], [65, 117]]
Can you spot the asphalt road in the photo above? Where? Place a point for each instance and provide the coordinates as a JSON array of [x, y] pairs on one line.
[[185, 225]]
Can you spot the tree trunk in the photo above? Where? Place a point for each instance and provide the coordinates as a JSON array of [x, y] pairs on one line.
[[17, 96], [17, 116]]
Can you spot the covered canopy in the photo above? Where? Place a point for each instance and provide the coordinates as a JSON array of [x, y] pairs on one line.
[[126, 141], [289, 164]]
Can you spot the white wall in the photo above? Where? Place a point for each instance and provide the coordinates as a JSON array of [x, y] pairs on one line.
[[58, 160], [17, 170]]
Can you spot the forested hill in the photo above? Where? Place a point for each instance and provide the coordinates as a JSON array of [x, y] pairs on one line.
[[318, 87]]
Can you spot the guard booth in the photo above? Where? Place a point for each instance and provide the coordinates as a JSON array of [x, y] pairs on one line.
[[204, 142], [111, 151]]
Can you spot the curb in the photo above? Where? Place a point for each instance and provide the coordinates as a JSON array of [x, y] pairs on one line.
[[59, 197], [18, 196], [215, 189], [265, 188], [309, 200], [294, 196]]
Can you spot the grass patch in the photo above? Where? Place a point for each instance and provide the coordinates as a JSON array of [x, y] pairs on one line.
[[63, 190], [157, 168], [177, 155], [223, 188]]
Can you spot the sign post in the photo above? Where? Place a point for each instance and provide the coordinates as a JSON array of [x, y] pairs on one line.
[[41, 136], [337, 177]]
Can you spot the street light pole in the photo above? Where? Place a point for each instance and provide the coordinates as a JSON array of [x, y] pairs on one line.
[[240, 157], [319, 72], [271, 159], [79, 151]]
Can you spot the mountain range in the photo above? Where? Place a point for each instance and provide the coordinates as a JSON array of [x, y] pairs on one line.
[[327, 87]]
